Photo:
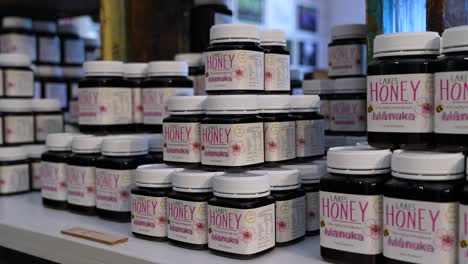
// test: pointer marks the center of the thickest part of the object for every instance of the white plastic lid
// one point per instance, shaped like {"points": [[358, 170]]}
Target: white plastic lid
{"points": [[12, 153], [234, 33], [35, 151], [125, 146], [231, 104], [44, 26], [281, 178], [135, 70], [349, 31], [59, 141], [15, 105], [87, 144], [68, 29], [193, 180], [73, 72], [103, 68], [155, 175], [350, 85], [272, 37], [192, 59], [317, 87], [241, 185], [305, 103], [46, 105], [49, 71], [17, 22], [309, 172], [184, 105], [454, 39], [167, 68], [296, 74], [155, 142], [407, 43], [427, 165], [274, 103], [15, 59], [363, 160]]}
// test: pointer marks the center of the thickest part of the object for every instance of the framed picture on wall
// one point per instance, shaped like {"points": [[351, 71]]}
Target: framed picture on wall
{"points": [[307, 18], [250, 10], [307, 53]]}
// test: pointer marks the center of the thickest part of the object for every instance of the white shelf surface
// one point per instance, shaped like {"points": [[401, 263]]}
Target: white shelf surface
{"points": [[26, 226]]}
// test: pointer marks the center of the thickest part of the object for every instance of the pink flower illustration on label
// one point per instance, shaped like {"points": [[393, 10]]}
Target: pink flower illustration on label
{"points": [[139, 108], [272, 145], [90, 189], [246, 234], [195, 145], [102, 109], [63, 185], [445, 239], [300, 141], [124, 195], [236, 148], [2, 182], [373, 229], [281, 225], [239, 72], [9, 131], [424, 107], [311, 215], [200, 227], [268, 75], [161, 220]]}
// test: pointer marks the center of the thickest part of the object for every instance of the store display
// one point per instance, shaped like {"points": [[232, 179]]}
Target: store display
{"points": [[47, 41], [17, 121], [277, 60], [324, 89], [34, 153], [136, 73], [71, 44], [181, 131], [48, 118], [196, 70], [17, 76], [155, 145], [17, 36], [14, 170], [400, 90], [234, 61], [53, 84], [72, 75]]}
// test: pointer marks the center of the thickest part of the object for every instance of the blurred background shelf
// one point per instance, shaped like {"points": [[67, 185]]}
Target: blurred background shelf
{"points": [[50, 9]]}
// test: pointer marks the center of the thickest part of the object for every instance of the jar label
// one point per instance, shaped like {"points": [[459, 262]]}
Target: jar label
{"points": [[155, 103], [451, 102], [19, 129], [149, 215], [18, 43], [81, 185], [36, 175], [57, 90], [105, 106], [199, 84], [54, 181], [326, 112], [49, 49], [113, 189], [463, 234], [279, 144], [187, 221], [137, 103], [351, 223], [420, 232], [309, 138], [14, 178], [400, 103], [290, 219], [181, 142], [47, 124], [241, 231], [312, 211], [234, 70], [232, 144], [277, 72], [18, 83], [345, 60], [74, 50], [348, 115]]}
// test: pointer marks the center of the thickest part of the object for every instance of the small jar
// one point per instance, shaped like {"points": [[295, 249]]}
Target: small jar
{"points": [[241, 216], [72, 75], [277, 61], [234, 61], [17, 36], [420, 207], [155, 144], [309, 127], [18, 121], [91, 47], [34, 153], [53, 84], [232, 133], [48, 118], [351, 204], [135, 73], [400, 90], [149, 199], [47, 42], [310, 174], [72, 46], [196, 70], [105, 99], [296, 82], [347, 53], [290, 204], [54, 161], [348, 113], [165, 79], [187, 208], [324, 89], [115, 175], [81, 174], [279, 129], [17, 76], [181, 131], [14, 171]]}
